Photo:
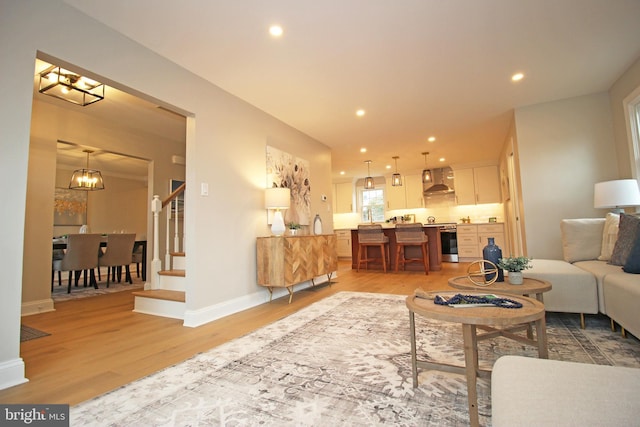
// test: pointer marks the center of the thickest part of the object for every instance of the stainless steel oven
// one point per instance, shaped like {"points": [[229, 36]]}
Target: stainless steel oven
{"points": [[449, 240]]}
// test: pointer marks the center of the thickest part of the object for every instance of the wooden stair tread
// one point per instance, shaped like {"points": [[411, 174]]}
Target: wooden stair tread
{"points": [[177, 254], [175, 273], [163, 294]]}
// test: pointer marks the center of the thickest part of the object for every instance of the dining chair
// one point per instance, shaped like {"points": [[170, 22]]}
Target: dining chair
{"points": [[136, 257], [411, 235], [372, 235], [118, 253], [81, 255]]}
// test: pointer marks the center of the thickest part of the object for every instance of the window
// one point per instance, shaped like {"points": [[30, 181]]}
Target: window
{"points": [[632, 103], [373, 205]]}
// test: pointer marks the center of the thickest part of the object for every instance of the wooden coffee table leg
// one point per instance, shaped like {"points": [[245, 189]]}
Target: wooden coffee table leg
{"points": [[541, 335], [414, 361], [471, 368]]}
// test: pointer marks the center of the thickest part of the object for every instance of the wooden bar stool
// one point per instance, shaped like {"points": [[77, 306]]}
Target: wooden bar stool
{"points": [[411, 235], [372, 235]]}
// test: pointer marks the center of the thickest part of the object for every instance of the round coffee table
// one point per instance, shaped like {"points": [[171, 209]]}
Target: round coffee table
{"points": [[529, 287], [488, 318]]}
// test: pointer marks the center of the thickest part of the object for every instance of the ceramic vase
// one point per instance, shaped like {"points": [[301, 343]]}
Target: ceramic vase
{"points": [[493, 253], [515, 277], [317, 225]]}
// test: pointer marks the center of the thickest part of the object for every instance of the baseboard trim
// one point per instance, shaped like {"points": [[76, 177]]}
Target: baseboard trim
{"points": [[12, 373], [37, 307], [195, 318]]}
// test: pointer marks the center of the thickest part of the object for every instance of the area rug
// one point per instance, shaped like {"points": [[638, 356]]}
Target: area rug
{"points": [[60, 294], [344, 360], [28, 333]]}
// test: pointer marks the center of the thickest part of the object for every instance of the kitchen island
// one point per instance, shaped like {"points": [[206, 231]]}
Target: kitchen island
{"points": [[435, 249]]}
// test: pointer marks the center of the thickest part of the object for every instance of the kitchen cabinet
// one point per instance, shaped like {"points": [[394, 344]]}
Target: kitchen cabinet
{"points": [[343, 197], [344, 243], [415, 197], [477, 185], [408, 196], [396, 196], [472, 238]]}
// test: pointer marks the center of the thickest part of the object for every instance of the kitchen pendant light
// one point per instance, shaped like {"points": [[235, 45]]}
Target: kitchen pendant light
{"points": [[396, 178], [86, 179], [426, 173], [368, 181]]}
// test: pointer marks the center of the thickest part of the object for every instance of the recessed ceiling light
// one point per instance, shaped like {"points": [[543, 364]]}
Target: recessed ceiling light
{"points": [[388, 166], [341, 172], [442, 159], [517, 77], [360, 113], [431, 138], [276, 30], [363, 150]]}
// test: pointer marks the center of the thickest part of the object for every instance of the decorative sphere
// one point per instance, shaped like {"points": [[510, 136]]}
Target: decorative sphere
{"points": [[478, 271]]}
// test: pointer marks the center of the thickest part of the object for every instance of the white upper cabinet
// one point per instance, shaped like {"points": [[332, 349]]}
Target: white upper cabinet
{"points": [[477, 185], [343, 197], [415, 197]]}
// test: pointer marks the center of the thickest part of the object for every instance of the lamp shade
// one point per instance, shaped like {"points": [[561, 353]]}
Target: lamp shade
{"points": [[616, 194], [277, 198]]}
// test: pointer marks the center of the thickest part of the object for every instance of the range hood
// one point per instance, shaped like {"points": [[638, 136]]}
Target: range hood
{"points": [[441, 182]]}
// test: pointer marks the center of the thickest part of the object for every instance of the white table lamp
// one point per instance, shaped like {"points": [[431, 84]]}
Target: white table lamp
{"points": [[278, 199], [616, 194]]}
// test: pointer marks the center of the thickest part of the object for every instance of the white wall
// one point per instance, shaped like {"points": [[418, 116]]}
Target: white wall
{"points": [[226, 140], [565, 147]]}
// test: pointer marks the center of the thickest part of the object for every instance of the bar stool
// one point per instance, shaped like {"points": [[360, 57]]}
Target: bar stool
{"points": [[372, 235], [411, 235]]}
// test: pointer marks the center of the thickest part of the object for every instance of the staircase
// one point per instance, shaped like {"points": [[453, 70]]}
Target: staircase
{"points": [[168, 300], [165, 295]]}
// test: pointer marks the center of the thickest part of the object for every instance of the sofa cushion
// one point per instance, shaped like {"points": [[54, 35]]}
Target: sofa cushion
{"points": [[621, 297], [628, 233], [609, 236], [600, 270], [573, 290], [581, 238], [632, 265], [526, 391]]}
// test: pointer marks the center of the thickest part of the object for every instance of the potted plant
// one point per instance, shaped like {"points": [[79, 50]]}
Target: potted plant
{"points": [[293, 228], [515, 265]]}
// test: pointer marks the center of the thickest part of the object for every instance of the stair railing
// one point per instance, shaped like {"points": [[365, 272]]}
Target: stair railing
{"points": [[176, 205]]}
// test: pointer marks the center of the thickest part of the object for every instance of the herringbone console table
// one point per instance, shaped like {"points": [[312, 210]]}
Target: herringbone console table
{"points": [[284, 261]]}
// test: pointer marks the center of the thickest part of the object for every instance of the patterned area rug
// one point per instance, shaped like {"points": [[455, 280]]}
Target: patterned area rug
{"points": [[27, 333], [342, 361], [60, 294]]}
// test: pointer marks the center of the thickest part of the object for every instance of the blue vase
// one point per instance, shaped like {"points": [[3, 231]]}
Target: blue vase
{"points": [[493, 253]]}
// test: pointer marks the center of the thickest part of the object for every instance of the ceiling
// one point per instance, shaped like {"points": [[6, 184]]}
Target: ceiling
{"points": [[418, 68]]}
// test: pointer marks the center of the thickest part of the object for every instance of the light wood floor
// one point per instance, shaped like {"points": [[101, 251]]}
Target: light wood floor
{"points": [[98, 344]]}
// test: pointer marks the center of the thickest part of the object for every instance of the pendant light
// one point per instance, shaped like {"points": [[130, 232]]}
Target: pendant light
{"points": [[368, 181], [396, 178], [426, 173], [86, 179]]}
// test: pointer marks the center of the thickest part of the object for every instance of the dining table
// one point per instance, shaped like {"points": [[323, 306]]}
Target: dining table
{"points": [[61, 243]]}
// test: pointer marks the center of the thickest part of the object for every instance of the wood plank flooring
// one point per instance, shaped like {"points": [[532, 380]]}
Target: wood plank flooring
{"points": [[98, 344]]}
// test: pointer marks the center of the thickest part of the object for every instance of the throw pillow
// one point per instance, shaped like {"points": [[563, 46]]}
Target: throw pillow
{"points": [[609, 236], [633, 261], [627, 235], [581, 238]]}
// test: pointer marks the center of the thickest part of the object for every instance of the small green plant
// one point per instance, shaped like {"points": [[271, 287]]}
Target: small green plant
{"points": [[513, 264], [293, 226]]}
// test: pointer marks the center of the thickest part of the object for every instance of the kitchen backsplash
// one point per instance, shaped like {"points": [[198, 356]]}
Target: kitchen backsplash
{"points": [[443, 212]]}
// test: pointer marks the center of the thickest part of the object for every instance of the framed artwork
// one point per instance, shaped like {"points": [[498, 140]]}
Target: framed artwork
{"points": [[69, 207], [286, 170]]}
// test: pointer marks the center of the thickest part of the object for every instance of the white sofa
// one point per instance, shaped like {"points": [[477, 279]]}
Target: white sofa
{"points": [[584, 282], [527, 391]]}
